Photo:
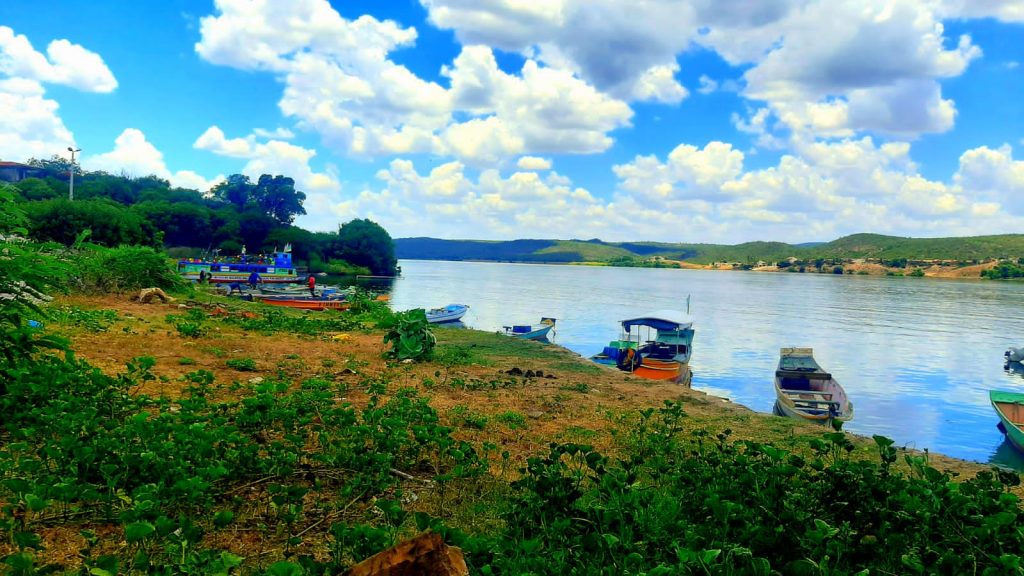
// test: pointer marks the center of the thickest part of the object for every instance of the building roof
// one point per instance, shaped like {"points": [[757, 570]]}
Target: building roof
{"points": [[6, 164]]}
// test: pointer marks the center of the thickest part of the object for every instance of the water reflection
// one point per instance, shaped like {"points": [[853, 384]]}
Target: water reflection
{"points": [[917, 357], [1014, 368]]}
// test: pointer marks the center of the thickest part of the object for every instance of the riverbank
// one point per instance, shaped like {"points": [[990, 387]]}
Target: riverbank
{"points": [[504, 400], [556, 393]]}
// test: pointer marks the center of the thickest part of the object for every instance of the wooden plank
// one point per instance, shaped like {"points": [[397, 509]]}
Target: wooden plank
{"points": [[807, 392]]}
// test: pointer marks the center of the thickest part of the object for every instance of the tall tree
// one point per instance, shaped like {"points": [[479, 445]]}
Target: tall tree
{"points": [[364, 243], [278, 198], [236, 190]]}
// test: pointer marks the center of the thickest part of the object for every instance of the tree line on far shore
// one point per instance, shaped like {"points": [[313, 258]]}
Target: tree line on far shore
{"points": [[236, 213]]}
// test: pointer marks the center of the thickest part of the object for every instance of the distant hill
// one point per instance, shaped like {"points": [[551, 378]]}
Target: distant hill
{"points": [[594, 250]]}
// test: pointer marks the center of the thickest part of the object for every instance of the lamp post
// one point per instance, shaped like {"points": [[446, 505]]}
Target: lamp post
{"points": [[71, 191]]}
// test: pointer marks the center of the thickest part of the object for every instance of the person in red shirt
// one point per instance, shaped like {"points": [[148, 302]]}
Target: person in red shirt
{"points": [[312, 285]]}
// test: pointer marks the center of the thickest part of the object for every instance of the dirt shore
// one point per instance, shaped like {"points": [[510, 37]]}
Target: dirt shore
{"points": [[558, 395]]}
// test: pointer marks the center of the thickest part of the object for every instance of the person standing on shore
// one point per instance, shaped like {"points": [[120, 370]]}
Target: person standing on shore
{"points": [[254, 279], [312, 285]]}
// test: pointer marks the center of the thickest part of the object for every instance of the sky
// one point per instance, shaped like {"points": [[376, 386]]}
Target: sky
{"points": [[718, 121]]}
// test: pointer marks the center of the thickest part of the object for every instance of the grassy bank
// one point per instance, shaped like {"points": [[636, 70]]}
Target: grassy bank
{"points": [[210, 436]]}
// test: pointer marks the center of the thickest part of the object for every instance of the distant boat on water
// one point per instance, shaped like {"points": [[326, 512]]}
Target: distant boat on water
{"points": [[531, 331], [804, 391], [1010, 408], [1014, 355]]}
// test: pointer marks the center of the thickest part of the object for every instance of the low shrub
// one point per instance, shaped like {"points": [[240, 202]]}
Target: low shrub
{"points": [[124, 269]]}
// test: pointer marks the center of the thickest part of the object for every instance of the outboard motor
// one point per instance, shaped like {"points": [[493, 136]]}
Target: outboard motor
{"points": [[1014, 355]]}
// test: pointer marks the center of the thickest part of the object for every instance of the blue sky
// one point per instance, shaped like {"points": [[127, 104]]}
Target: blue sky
{"points": [[698, 121]]}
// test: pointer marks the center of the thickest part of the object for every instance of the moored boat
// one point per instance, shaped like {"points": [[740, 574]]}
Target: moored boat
{"points": [[804, 391], [449, 313], [1010, 408], [658, 349], [307, 303], [531, 331], [276, 268]]}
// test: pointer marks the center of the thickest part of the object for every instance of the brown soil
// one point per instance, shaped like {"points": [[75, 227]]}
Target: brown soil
{"points": [[557, 405]]}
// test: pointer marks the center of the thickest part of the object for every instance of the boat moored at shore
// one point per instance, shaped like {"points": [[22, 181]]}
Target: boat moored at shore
{"points": [[445, 314], [804, 391], [656, 346], [277, 268], [1010, 408], [531, 331]]}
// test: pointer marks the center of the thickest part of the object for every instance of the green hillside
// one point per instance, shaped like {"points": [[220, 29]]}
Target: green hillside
{"points": [[847, 247], [588, 251], [890, 247]]}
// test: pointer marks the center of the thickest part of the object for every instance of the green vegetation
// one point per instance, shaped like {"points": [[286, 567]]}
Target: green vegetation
{"points": [[287, 476], [698, 503], [90, 320], [410, 337], [115, 211], [1003, 271], [892, 250], [242, 364]]}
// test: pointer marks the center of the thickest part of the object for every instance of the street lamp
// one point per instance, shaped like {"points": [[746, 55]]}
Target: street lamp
{"points": [[71, 191]]}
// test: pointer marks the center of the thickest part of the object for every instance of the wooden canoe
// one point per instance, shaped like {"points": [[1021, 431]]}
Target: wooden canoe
{"points": [[804, 391], [1010, 408]]}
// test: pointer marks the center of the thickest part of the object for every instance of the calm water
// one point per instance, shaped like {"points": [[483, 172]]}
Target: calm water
{"points": [[916, 356]]}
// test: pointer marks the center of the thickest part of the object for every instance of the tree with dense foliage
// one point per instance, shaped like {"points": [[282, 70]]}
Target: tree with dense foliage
{"points": [[278, 198], [364, 243], [183, 224], [236, 190], [38, 189], [109, 223]]}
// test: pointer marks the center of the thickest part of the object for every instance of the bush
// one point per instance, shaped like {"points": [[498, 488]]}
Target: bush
{"points": [[125, 269], [108, 223], [411, 337]]}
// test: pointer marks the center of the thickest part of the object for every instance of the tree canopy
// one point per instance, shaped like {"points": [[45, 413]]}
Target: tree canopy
{"points": [[148, 210], [364, 243]]}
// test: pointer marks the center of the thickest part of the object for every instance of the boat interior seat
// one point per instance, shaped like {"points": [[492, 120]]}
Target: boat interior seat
{"points": [[799, 384], [612, 352], [521, 329]]}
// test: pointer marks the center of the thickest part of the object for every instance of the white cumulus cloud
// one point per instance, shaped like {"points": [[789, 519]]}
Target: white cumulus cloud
{"points": [[136, 156]]}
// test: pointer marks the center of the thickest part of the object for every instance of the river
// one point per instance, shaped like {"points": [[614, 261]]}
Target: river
{"points": [[917, 356]]}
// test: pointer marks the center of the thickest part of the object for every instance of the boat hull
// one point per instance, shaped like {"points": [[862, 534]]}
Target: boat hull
{"points": [[806, 392], [823, 405], [666, 371], [228, 278], [450, 313], [1009, 406], [534, 332], [539, 334], [308, 304]]}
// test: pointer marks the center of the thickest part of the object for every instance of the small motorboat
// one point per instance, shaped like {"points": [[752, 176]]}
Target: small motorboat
{"points": [[658, 349], [804, 391], [1014, 355], [531, 331], [449, 313], [1010, 408]]}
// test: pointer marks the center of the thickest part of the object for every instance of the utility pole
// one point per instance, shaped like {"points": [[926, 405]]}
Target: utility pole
{"points": [[71, 191]]}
